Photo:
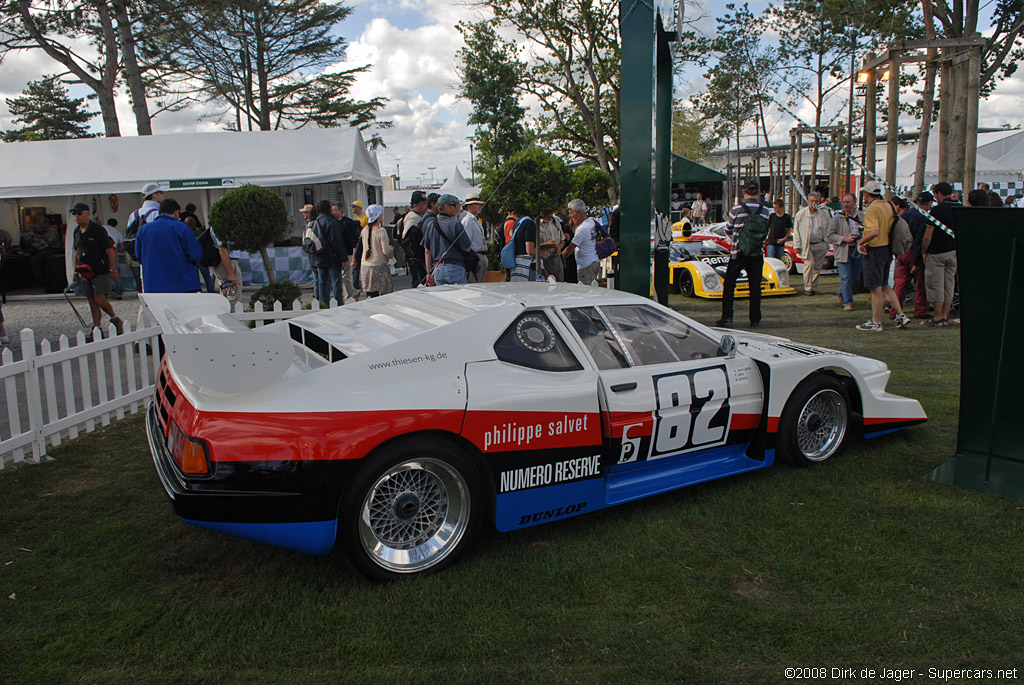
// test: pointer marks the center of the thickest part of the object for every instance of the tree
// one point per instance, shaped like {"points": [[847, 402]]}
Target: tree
{"points": [[590, 184], [572, 66], [688, 137], [249, 218], [491, 74], [59, 27], [526, 183], [264, 59], [48, 113]]}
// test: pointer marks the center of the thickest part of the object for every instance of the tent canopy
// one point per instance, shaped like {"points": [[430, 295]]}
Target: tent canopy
{"points": [[95, 166], [987, 168], [687, 171], [458, 186]]}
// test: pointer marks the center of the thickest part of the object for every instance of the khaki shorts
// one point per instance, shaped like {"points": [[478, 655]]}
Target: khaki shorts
{"points": [[939, 275], [96, 286]]}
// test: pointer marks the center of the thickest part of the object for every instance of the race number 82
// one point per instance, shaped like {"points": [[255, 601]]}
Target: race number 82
{"points": [[693, 410]]}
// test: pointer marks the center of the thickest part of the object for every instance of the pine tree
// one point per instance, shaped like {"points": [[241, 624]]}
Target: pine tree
{"points": [[48, 113]]}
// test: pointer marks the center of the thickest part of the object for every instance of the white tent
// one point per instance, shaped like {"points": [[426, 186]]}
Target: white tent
{"points": [[458, 186], [101, 166], [1008, 151], [988, 168]]}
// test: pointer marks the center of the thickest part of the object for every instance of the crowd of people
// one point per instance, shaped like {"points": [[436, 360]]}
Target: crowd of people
{"points": [[862, 239]]}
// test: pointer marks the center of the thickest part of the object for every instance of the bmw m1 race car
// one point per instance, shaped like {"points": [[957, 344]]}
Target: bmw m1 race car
{"points": [[398, 426], [698, 268]]}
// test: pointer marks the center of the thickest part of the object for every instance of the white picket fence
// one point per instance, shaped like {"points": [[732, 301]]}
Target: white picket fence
{"points": [[54, 394]]}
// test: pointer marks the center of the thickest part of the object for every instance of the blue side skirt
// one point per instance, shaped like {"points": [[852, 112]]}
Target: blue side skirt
{"points": [[309, 537]]}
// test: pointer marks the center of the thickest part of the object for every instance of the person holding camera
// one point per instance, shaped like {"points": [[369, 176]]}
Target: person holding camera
{"points": [[94, 255]]}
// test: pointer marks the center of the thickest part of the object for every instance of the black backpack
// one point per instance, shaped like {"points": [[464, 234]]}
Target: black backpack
{"points": [[753, 233], [131, 231], [211, 255], [412, 244]]}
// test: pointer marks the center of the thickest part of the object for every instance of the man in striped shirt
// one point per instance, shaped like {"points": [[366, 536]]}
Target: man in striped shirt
{"points": [[738, 261]]}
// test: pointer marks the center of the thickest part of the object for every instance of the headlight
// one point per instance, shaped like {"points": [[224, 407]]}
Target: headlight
{"points": [[783, 277], [712, 282]]}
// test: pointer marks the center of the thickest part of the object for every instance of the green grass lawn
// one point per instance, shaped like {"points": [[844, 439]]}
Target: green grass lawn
{"points": [[857, 563]]}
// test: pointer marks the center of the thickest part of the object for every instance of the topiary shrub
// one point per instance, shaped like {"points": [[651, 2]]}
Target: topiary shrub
{"points": [[249, 218], [284, 292]]}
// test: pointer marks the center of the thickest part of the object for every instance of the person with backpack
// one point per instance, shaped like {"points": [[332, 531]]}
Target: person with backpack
{"points": [[583, 244], [879, 217], [412, 238], [153, 195], [747, 228], [448, 244]]}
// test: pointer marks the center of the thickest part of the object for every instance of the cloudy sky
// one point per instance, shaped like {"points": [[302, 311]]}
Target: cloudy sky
{"points": [[411, 49]]}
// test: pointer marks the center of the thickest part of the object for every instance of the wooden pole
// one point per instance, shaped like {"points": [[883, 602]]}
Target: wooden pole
{"points": [[958, 118], [973, 94], [945, 114], [894, 118]]}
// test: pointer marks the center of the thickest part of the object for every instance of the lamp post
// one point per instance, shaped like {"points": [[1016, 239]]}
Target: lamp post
{"points": [[243, 36], [431, 174], [472, 165], [853, 77]]}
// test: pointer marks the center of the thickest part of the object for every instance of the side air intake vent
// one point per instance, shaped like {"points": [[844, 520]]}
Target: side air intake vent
{"points": [[314, 343]]}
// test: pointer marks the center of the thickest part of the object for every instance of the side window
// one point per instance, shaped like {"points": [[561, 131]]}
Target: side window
{"points": [[653, 337], [596, 337], [532, 341]]}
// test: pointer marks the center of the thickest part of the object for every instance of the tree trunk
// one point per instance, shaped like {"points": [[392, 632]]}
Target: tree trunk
{"points": [[132, 73], [261, 76], [271, 276], [928, 100]]}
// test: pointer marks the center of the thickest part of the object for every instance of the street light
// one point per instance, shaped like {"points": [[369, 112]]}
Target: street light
{"points": [[431, 174], [243, 36]]}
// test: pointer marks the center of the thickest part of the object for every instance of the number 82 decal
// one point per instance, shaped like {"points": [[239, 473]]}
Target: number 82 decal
{"points": [[693, 410]]}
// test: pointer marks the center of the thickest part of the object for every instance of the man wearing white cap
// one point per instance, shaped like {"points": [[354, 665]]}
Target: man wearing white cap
{"points": [[153, 195], [874, 245], [471, 208]]}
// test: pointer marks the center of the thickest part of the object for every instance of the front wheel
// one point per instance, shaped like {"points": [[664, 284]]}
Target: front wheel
{"points": [[683, 284], [787, 259], [814, 421], [413, 509]]}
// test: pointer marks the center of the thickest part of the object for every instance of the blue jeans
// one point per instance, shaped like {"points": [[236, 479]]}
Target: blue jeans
{"points": [[775, 250], [849, 272], [316, 282], [204, 271], [329, 277], [449, 274]]}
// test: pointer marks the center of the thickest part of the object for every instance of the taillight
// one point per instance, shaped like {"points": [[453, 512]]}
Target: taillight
{"points": [[191, 454]]}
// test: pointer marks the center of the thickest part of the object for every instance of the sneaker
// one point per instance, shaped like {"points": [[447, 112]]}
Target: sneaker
{"points": [[723, 322], [869, 325], [118, 325], [902, 320], [848, 308]]}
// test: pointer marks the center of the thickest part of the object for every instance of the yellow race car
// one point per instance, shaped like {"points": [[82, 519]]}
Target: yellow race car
{"points": [[697, 268]]}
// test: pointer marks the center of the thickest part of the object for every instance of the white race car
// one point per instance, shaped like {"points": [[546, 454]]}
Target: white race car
{"points": [[399, 425]]}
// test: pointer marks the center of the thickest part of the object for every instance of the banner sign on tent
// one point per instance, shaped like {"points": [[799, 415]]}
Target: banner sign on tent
{"points": [[202, 183]]}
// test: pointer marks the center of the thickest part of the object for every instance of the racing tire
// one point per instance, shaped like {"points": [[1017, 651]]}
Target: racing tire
{"points": [[787, 259], [684, 283], [814, 422], [413, 509]]}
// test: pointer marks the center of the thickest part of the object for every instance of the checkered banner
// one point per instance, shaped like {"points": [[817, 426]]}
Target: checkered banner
{"points": [[290, 263], [1007, 189]]}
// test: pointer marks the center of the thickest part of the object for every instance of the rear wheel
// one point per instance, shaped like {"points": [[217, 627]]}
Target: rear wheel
{"points": [[413, 509], [814, 421]]}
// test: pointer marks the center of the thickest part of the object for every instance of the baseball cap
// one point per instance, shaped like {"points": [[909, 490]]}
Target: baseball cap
{"points": [[151, 188], [872, 188], [924, 197], [447, 200], [306, 209], [80, 207], [357, 203]]}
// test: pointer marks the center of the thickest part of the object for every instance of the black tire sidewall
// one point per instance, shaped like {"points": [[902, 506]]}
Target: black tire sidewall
{"points": [[786, 448], [684, 289], [381, 461]]}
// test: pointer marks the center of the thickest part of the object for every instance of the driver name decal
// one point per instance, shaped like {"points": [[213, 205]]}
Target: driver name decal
{"points": [[513, 435]]}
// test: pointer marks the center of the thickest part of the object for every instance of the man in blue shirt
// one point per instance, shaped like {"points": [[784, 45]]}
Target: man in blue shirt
{"points": [[168, 252]]}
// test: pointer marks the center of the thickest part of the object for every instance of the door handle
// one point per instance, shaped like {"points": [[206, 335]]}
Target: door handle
{"points": [[622, 387]]}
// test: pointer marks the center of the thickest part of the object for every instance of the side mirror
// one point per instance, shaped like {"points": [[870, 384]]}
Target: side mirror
{"points": [[728, 346]]}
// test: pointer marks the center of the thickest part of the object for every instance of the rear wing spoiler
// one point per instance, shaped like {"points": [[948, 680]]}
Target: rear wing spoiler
{"points": [[204, 342]]}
